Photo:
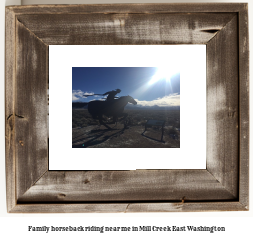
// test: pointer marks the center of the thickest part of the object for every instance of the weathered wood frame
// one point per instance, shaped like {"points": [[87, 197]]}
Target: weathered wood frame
{"points": [[222, 186]]}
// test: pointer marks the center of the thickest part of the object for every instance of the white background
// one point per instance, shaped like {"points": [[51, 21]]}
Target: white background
{"points": [[191, 60], [238, 224]]}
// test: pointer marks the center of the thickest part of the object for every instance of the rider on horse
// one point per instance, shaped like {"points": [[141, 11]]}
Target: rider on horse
{"points": [[112, 94]]}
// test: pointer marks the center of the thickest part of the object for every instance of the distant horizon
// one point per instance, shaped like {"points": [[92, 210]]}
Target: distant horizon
{"points": [[149, 86], [133, 107]]}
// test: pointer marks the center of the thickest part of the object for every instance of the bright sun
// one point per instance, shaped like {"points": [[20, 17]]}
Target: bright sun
{"points": [[163, 73]]}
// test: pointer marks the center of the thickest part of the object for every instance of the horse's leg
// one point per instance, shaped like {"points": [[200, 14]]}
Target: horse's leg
{"points": [[102, 123], [126, 121], [115, 120], [100, 120]]}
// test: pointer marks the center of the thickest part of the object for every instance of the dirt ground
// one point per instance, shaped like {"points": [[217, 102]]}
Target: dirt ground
{"points": [[98, 136]]}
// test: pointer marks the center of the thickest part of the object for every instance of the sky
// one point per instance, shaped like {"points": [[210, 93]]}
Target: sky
{"points": [[149, 86]]}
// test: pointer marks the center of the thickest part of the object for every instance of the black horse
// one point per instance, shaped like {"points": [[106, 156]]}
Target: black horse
{"points": [[112, 108], [109, 108]]}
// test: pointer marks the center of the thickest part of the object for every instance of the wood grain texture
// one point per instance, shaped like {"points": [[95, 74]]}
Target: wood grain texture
{"points": [[244, 106], [186, 207], [118, 29], [223, 186], [222, 107], [140, 185], [129, 207], [154, 8], [9, 109], [30, 108]]}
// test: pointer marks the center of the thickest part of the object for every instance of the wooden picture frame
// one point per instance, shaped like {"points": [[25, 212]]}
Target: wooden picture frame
{"points": [[222, 186]]}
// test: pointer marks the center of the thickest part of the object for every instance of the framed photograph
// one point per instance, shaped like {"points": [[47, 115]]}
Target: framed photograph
{"points": [[145, 108], [161, 97]]}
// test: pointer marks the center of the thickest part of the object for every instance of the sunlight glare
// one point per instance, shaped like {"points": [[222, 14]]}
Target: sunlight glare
{"points": [[163, 73]]}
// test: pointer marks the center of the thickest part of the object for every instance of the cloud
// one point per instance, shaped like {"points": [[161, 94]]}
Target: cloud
{"points": [[79, 94], [167, 101], [100, 99]]}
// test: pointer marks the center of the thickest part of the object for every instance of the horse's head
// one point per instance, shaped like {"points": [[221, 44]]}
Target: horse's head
{"points": [[131, 100]]}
